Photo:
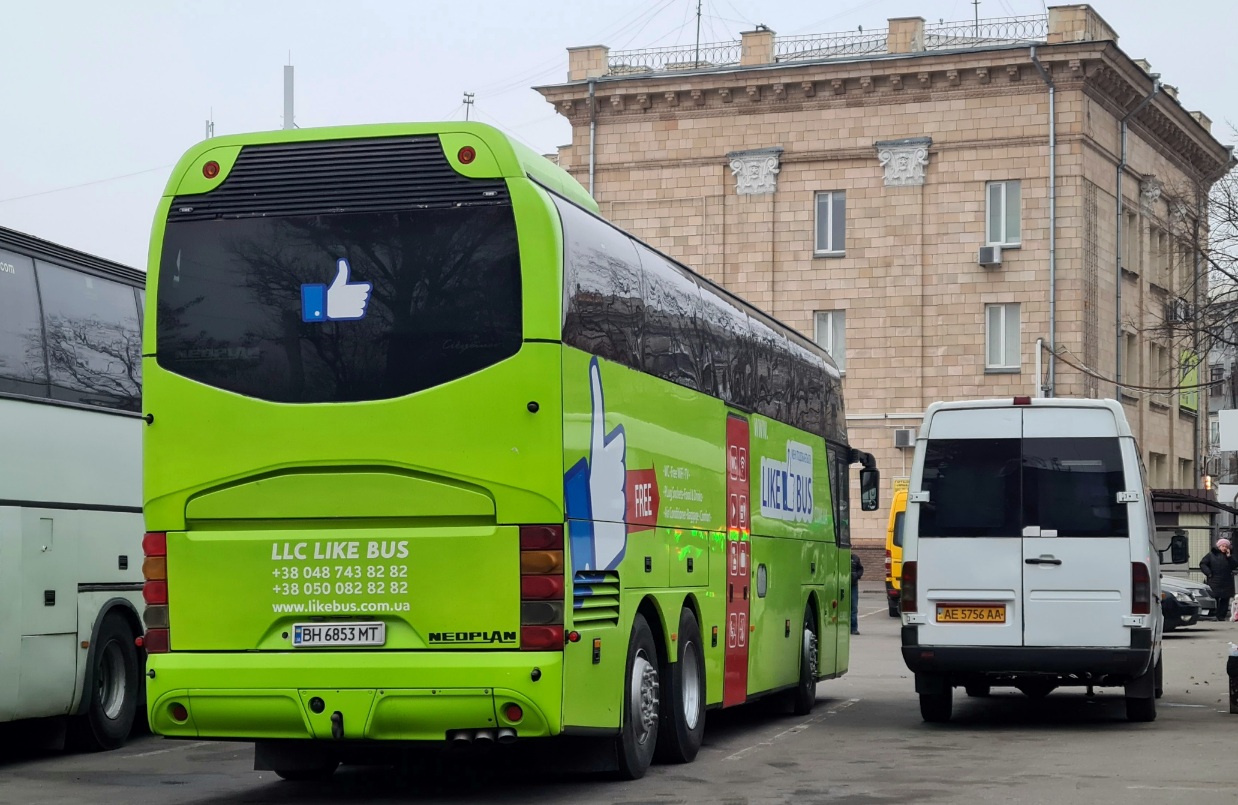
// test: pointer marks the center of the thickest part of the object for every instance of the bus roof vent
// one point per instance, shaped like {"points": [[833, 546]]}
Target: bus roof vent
{"points": [[339, 176]]}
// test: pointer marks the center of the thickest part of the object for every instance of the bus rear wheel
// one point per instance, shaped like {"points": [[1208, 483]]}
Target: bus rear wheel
{"points": [[111, 703], [682, 726], [638, 733], [804, 695]]}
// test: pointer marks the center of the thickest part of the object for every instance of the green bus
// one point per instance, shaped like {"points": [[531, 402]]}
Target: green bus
{"points": [[434, 453]]}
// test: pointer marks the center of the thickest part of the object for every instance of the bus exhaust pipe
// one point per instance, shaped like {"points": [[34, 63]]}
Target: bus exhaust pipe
{"points": [[459, 738], [484, 737], [507, 735]]}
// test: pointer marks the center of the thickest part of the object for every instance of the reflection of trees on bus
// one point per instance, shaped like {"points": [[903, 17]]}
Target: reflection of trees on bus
{"points": [[632, 305], [445, 300], [99, 360]]}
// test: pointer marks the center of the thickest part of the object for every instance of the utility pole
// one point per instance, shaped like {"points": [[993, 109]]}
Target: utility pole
{"points": [[697, 60], [976, 3], [468, 104], [288, 117]]}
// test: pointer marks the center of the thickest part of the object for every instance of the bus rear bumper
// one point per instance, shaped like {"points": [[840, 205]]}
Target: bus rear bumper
{"points": [[332, 696]]}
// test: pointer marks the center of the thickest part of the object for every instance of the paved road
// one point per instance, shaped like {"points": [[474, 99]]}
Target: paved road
{"points": [[865, 743]]}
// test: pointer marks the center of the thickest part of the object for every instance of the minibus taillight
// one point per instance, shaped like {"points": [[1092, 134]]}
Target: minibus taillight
{"points": [[889, 561], [155, 592], [907, 596], [1141, 589], [542, 586]]}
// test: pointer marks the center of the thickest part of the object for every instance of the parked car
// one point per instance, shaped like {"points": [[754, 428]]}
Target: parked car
{"points": [[1185, 602]]}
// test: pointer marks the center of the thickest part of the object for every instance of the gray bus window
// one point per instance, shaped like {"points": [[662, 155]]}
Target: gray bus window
{"points": [[94, 349], [23, 361]]}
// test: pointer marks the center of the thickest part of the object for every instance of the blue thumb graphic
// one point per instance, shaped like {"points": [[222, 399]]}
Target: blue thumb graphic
{"points": [[313, 303]]}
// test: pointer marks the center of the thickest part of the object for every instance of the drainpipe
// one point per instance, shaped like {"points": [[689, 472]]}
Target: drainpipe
{"points": [[1050, 385], [593, 128], [1156, 87]]}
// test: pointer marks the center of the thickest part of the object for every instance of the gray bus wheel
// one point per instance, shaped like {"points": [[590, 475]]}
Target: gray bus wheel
{"points": [[111, 703]]}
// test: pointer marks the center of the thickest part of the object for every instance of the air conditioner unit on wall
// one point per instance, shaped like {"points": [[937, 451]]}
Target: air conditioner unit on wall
{"points": [[904, 437], [990, 255]]}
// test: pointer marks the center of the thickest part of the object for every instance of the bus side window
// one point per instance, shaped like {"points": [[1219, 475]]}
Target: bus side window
{"points": [[602, 308], [23, 363]]}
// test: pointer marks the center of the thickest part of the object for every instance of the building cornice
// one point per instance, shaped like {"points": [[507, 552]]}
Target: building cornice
{"points": [[1099, 69]]}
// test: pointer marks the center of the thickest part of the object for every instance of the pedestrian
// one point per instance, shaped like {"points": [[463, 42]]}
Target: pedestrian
{"points": [[1218, 567], [857, 573]]}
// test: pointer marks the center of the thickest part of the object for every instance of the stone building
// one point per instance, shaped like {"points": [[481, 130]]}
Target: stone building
{"points": [[930, 202]]}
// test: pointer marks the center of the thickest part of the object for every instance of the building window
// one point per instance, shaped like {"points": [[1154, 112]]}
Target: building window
{"points": [[1130, 359], [831, 223], [1214, 432], [1156, 470], [831, 335], [1001, 337], [1160, 258], [1003, 228], [1130, 245], [1186, 473], [1158, 359]]}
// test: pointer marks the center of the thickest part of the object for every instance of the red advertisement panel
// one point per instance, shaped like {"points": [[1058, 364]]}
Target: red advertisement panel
{"points": [[738, 569]]}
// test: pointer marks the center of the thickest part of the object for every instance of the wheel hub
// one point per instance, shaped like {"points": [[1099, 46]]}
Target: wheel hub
{"points": [[644, 698]]}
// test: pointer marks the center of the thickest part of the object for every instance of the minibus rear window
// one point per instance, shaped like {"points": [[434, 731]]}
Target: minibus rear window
{"points": [[1071, 486], [1001, 487], [973, 487]]}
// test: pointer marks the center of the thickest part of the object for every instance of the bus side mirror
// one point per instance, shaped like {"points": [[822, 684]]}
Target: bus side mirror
{"points": [[870, 483]]}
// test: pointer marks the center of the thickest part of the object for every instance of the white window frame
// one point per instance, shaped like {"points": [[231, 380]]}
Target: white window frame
{"points": [[1003, 238], [836, 243], [830, 333], [1005, 349]]}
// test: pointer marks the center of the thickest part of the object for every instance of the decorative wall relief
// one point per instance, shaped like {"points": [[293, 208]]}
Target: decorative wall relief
{"points": [[755, 171], [904, 160]]}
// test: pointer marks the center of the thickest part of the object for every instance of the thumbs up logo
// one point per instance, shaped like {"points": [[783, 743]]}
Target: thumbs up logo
{"points": [[607, 472], [341, 301]]}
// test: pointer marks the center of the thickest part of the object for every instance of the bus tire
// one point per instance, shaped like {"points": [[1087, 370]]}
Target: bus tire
{"points": [[111, 704], [804, 696], [638, 731], [682, 725]]}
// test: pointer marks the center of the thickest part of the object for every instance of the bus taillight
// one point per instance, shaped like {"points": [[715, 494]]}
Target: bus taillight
{"points": [[541, 587], [907, 596], [155, 592]]}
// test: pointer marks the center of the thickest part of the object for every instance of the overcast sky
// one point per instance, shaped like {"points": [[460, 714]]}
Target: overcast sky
{"points": [[99, 100]]}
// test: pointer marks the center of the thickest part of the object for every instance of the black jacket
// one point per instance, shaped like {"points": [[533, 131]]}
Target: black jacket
{"points": [[1218, 570], [857, 569]]}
